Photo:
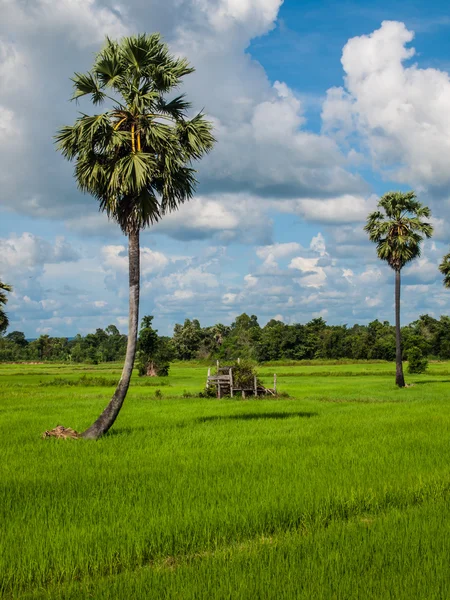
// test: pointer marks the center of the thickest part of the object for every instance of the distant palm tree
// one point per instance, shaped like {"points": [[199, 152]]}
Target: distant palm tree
{"points": [[444, 268], [398, 233], [134, 158], [3, 300]]}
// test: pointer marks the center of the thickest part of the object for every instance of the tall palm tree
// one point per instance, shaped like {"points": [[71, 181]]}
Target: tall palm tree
{"points": [[398, 230], [444, 268], [136, 157], [4, 287]]}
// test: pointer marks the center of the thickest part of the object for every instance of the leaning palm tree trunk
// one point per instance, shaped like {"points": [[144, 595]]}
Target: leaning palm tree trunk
{"points": [[399, 378], [109, 415]]}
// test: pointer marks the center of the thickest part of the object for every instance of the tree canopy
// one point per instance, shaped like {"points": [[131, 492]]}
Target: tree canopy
{"points": [[399, 228], [135, 157]]}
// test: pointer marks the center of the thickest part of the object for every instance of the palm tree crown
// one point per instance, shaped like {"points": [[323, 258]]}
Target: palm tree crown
{"points": [[3, 300], [136, 157], [400, 229], [444, 268]]}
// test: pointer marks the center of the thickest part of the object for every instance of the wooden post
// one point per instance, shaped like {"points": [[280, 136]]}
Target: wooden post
{"points": [[217, 364], [218, 390], [239, 361], [207, 379], [275, 383], [243, 394], [256, 387], [231, 382]]}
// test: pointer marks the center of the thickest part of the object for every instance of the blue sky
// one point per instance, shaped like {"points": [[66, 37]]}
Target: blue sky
{"points": [[318, 108]]}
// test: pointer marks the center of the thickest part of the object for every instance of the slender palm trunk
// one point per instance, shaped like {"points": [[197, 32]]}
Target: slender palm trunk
{"points": [[399, 379], [109, 415]]}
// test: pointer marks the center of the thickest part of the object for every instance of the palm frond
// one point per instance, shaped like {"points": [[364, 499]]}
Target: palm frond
{"points": [[4, 322], [87, 84], [444, 268]]}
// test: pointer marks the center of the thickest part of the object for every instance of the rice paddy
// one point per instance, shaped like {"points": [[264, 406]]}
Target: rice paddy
{"points": [[340, 490]]}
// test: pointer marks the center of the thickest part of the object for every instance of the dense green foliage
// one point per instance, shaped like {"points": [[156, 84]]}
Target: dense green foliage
{"points": [[105, 345], [154, 352], [276, 340], [444, 268], [398, 229], [135, 158], [3, 300], [417, 363], [339, 491], [244, 339]]}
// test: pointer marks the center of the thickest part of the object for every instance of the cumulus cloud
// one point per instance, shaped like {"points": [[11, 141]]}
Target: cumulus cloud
{"points": [[225, 217], [268, 152], [312, 274], [115, 258], [85, 22], [347, 208], [399, 109], [272, 253], [28, 251]]}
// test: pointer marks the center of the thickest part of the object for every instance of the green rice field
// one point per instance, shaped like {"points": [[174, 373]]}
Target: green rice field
{"points": [[339, 491]]}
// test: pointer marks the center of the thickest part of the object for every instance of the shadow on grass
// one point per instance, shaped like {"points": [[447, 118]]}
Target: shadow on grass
{"points": [[432, 381], [257, 416], [125, 431]]}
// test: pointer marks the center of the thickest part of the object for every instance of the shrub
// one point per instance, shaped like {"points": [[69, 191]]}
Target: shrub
{"points": [[158, 394], [244, 373], [208, 392], [417, 362]]}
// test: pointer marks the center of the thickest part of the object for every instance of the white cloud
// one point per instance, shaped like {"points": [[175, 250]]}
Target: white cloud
{"points": [[373, 301], [400, 111], [276, 251], [183, 294], [318, 244], [100, 303], [314, 275], [272, 253], [28, 251], [115, 258], [256, 16], [341, 209], [229, 298], [85, 22], [251, 281]]}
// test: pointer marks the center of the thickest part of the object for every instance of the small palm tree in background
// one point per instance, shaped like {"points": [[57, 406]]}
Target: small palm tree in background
{"points": [[136, 157], [3, 300], [398, 230], [444, 268]]}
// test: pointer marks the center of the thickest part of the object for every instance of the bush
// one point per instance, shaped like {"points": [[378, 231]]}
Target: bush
{"points": [[417, 363], [208, 392], [152, 368], [244, 373]]}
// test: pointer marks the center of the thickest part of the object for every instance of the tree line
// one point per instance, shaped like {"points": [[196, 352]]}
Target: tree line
{"points": [[105, 345], [244, 338]]}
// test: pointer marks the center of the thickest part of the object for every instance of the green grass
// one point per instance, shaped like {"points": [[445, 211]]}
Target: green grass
{"points": [[341, 491]]}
